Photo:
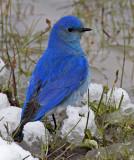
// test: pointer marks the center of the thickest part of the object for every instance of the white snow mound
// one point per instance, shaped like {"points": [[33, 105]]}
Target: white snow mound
{"points": [[10, 117], [95, 91], [11, 151], [116, 95], [75, 115], [35, 132]]}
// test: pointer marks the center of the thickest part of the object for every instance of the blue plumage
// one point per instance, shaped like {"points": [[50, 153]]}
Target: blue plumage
{"points": [[61, 71]]}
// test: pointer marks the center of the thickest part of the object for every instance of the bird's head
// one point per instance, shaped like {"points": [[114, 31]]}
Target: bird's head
{"points": [[68, 29]]}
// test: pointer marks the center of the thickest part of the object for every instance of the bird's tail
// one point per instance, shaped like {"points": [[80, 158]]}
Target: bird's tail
{"points": [[17, 134]]}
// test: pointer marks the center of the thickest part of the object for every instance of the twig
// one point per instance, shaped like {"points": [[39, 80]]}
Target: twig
{"points": [[73, 128], [13, 76], [41, 34], [124, 59], [122, 96], [100, 102], [56, 150], [102, 23], [72, 155], [87, 113], [26, 157], [58, 157], [1, 118], [2, 68]]}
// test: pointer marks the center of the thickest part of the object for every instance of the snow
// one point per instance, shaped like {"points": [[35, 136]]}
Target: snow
{"points": [[128, 109], [95, 91], [115, 97], [12, 151], [35, 132], [75, 115], [72, 127], [10, 117], [4, 101]]}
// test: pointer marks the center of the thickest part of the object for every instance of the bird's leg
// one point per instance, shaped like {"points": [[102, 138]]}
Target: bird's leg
{"points": [[17, 134], [54, 119]]}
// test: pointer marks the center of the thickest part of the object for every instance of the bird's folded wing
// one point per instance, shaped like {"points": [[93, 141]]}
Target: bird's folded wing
{"points": [[63, 79]]}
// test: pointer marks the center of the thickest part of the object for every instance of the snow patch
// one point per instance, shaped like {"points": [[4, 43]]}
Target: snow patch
{"points": [[35, 132], [76, 123], [10, 117], [95, 91], [116, 95], [12, 151], [128, 109]]}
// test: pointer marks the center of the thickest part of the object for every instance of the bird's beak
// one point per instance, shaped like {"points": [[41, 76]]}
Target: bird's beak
{"points": [[79, 29], [84, 29]]}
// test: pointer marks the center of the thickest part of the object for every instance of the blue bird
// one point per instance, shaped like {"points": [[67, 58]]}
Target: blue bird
{"points": [[59, 76]]}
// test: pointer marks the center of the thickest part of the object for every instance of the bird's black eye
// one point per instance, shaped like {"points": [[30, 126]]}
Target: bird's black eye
{"points": [[70, 29]]}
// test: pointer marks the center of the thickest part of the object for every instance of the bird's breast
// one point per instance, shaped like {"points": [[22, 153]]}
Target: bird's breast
{"points": [[76, 97]]}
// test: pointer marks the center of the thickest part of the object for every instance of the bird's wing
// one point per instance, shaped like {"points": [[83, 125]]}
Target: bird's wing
{"points": [[37, 80], [63, 79]]}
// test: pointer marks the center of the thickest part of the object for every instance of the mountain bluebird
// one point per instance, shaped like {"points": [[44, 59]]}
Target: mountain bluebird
{"points": [[60, 75]]}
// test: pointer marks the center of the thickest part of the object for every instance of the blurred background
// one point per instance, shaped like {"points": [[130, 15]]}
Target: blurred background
{"points": [[25, 27]]}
